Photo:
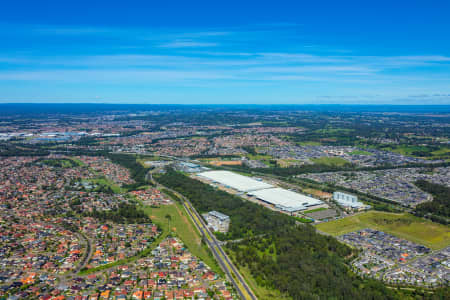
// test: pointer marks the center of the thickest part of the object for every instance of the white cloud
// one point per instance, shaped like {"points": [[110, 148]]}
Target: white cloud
{"points": [[244, 57], [330, 69], [113, 76], [187, 44]]}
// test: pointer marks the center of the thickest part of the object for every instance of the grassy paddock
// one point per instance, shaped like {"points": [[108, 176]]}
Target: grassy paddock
{"points": [[259, 157], [79, 162], [441, 151], [429, 153], [310, 143], [407, 226], [105, 182], [330, 161], [314, 210], [303, 220]]}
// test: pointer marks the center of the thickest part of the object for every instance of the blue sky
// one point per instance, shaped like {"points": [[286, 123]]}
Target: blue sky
{"points": [[257, 52]]}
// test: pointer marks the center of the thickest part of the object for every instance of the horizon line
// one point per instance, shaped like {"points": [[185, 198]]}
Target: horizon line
{"points": [[223, 104]]}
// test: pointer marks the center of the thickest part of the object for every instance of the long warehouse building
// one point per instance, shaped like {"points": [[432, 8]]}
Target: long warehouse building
{"points": [[286, 200], [280, 198], [235, 181]]}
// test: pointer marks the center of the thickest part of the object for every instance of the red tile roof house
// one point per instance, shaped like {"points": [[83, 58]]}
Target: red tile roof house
{"points": [[147, 294], [138, 295]]}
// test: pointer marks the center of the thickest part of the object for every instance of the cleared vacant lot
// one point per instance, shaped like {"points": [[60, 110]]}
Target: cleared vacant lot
{"points": [[418, 230]]}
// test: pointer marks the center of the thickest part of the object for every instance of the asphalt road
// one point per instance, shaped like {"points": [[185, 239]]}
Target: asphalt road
{"points": [[88, 254], [222, 258]]}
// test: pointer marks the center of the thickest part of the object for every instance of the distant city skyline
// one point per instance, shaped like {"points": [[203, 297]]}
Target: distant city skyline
{"points": [[256, 52]]}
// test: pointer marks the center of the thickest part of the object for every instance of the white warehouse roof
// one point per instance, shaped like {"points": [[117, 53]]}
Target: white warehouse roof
{"points": [[285, 199], [235, 181]]}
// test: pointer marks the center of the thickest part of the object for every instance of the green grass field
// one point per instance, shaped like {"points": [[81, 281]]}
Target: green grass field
{"points": [[330, 161], [105, 182], [284, 163], [310, 143], [76, 160], [61, 162], [407, 150], [331, 131], [407, 226], [419, 151], [314, 210], [182, 226], [442, 151], [259, 157], [303, 220], [410, 149]]}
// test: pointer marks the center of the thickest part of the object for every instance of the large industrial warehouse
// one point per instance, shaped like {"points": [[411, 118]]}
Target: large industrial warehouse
{"points": [[235, 181], [280, 198], [285, 200]]}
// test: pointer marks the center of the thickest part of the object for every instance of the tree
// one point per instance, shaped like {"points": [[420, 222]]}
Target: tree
{"points": [[169, 218]]}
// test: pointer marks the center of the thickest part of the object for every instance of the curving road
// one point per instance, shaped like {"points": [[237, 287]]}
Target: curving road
{"points": [[87, 256]]}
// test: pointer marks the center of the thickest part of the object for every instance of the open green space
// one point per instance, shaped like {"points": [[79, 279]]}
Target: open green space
{"points": [[265, 159], [330, 131], [303, 220], [105, 183], [407, 150], [259, 156], [407, 226], [330, 161], [76, 160], [428, 152], [181, 226], [60, 162], [285, 163], [314, 210], [441, 151], [309, 143]]}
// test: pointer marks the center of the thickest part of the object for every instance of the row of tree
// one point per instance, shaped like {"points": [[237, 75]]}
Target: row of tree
{"points": [[124, 213]]}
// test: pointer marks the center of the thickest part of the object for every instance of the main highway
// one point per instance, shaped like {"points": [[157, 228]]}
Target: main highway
{"points": [[227, 265], [222, 258]]}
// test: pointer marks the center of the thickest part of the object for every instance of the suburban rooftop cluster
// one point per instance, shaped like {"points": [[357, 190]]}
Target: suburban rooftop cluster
{"points": [[396, 260]]}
